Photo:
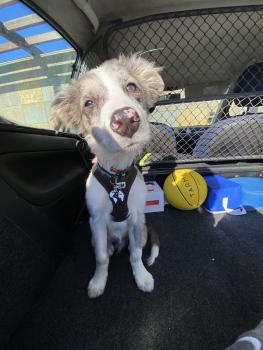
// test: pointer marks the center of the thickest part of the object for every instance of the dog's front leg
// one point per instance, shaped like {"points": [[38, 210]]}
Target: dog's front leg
{"points": [[143, 278], [99, 240]]}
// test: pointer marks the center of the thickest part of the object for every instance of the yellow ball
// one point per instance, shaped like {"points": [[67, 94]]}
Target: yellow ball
{"points": [[185, 189]]}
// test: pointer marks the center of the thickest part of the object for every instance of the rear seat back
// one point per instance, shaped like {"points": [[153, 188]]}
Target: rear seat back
{"points": [[238, 136]]}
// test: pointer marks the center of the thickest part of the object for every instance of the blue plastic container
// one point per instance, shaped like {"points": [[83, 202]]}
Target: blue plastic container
{"points": [[221, 190], [252, 192]]}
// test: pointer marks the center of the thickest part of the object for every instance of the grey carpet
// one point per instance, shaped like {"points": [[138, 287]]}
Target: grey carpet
{"points": [[24, 273], [208, 290]]}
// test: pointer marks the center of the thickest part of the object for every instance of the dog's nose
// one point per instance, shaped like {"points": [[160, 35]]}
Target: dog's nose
{"points": [[125, 121]]}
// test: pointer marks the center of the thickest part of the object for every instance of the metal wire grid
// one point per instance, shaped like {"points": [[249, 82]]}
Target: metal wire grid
{"points": [[238, 134], [213, 59], [92, 60], [196, 47]]}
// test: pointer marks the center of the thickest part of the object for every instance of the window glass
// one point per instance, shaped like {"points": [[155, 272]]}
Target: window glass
{"points": [[184, 114], [235, 110], [35, 62]]}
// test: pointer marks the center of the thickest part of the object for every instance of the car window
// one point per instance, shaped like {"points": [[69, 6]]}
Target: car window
{"points": [[35, 62], [235, 111], [183, 113]]}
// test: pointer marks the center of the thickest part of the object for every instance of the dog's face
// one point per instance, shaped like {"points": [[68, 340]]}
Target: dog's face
{"points": [[109, 105]]}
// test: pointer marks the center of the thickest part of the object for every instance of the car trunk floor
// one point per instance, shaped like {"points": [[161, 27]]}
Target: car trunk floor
{"points": [[208, 290]]}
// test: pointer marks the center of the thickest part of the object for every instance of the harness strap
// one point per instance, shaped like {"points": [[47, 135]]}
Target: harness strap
{"points": [[118, 186]]}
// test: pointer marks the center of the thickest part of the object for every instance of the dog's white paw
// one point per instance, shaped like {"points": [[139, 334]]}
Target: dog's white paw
{"points": [[145, 281], [150, 260], [96, 287], [154, 254]]}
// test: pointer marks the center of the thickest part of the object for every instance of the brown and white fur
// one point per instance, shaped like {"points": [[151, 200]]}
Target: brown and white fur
{"points": [[88, 105]]}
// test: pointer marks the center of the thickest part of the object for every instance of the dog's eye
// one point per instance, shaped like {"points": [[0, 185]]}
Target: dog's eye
{"points": [[131, 87], [89, 103]]}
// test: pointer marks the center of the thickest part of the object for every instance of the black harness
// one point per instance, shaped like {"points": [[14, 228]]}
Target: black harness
{"points": [[118, 185]]}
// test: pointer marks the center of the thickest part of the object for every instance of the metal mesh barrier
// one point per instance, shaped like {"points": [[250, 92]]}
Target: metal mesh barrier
{"points": [[92, 60], [213, 70]]}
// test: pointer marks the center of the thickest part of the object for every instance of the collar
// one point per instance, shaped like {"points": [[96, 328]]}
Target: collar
{"points": [[115, 172]]}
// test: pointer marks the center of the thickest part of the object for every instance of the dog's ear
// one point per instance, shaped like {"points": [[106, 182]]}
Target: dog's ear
{"points": [[147, 74], [65, 108]]}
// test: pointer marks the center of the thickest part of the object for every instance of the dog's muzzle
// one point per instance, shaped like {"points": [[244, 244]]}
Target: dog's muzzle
{"points": [[125, 121]]}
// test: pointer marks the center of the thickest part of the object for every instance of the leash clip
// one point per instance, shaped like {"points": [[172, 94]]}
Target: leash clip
{"points": [[118, 185]]}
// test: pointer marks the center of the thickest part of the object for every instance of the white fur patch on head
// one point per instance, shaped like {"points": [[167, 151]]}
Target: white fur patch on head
{"points": [[108, 80], [116, 97]]}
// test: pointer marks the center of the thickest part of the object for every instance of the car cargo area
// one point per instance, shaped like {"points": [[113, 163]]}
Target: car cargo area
{"points": [[208, 290], [208, 278]]}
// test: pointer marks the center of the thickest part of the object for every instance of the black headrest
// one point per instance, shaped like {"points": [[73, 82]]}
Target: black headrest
{"points": [[251, 80]]}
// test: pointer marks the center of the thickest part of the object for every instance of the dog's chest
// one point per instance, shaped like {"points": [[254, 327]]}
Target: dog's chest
{"points": [[118, 186], [100, 207], [117, 230]]}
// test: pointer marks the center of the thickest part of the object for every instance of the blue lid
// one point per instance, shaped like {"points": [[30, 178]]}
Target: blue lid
{"points": [[217, 181], [252, 191]]}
